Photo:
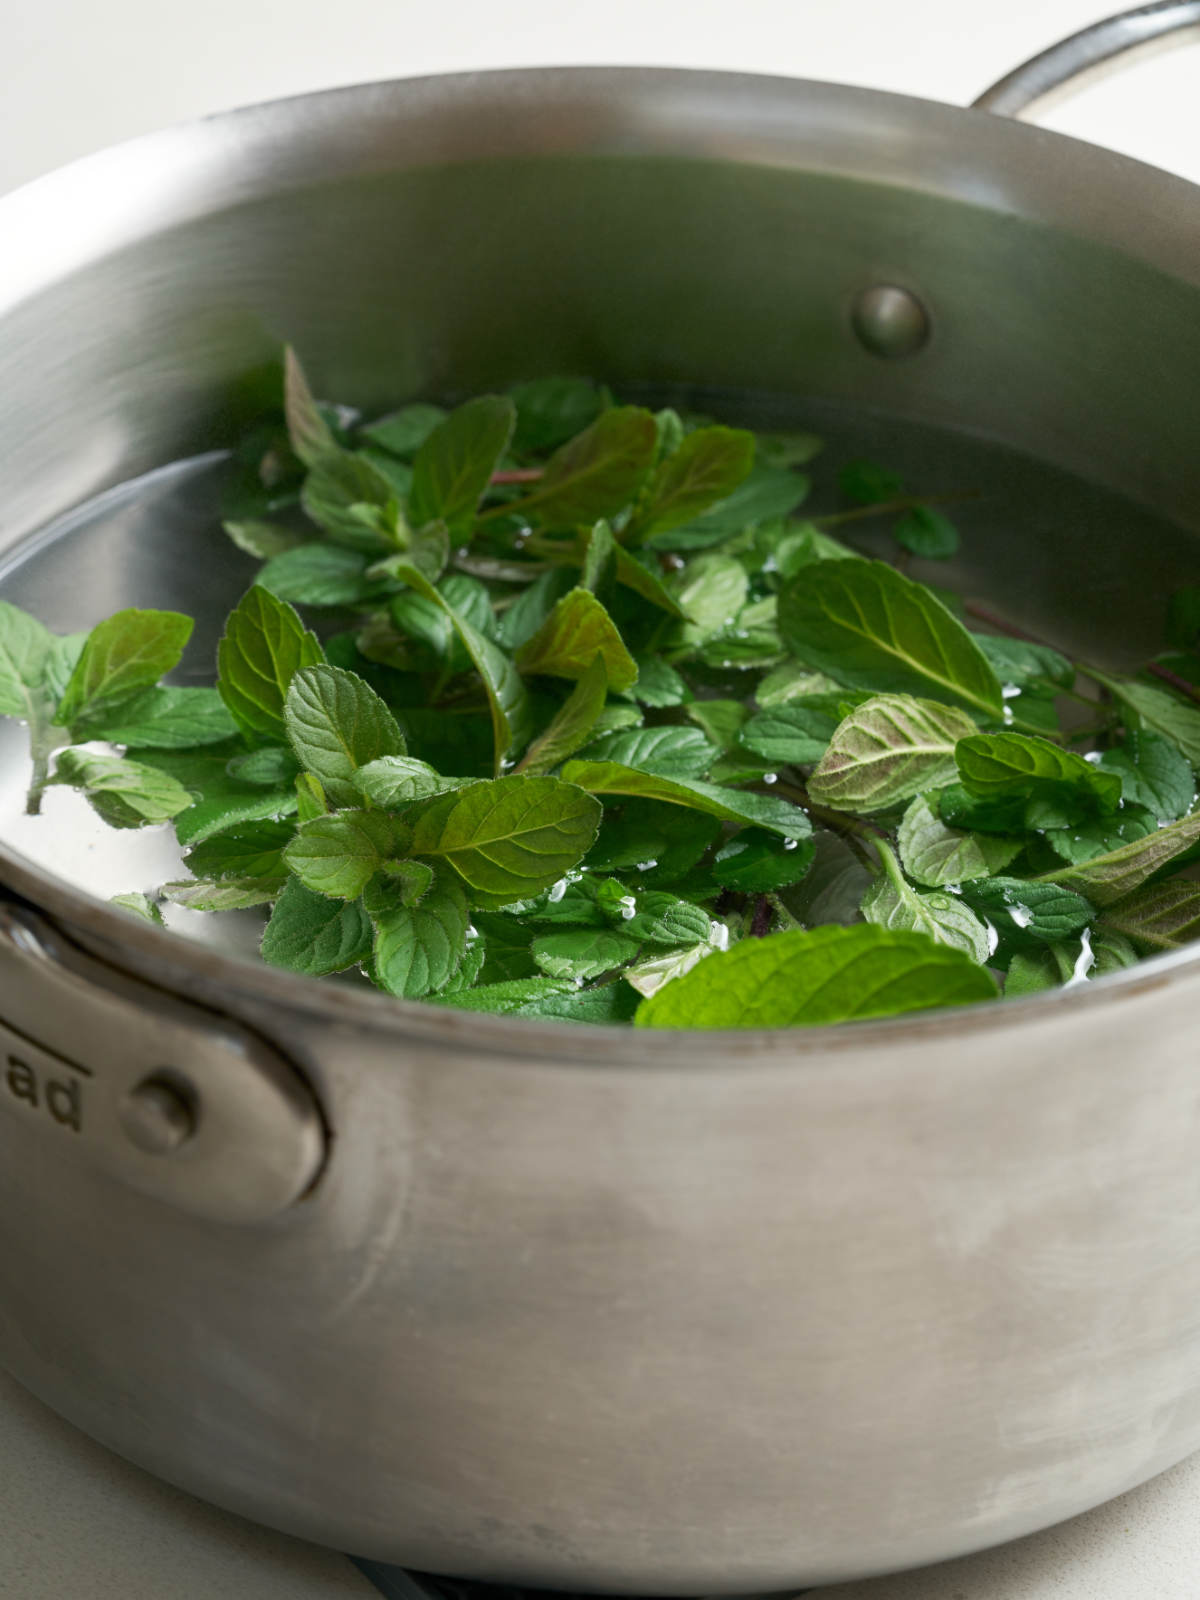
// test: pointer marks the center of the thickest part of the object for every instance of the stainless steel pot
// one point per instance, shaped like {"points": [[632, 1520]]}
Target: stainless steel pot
{"points": [[561, 1306]]}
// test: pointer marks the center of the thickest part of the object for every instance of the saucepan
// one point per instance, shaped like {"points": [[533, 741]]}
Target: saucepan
{"points": [[538, 1303]]}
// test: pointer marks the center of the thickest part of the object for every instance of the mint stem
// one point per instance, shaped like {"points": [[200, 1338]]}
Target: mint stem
{"points": [[37, 784], [1176, 682]]}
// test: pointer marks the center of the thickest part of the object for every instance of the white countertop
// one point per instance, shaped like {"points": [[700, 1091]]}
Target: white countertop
{"points": [[77, 74]]}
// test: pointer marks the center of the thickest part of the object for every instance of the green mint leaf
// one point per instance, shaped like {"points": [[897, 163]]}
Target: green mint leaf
{"points": [[354, 502], [721, 720], [507, 941], [394, 782], [660, 842], [124, 793], [790, 449], [599, 559], [403, 432], [712, 593], [764, 811], [870, 627], [998, 765], [927, 533], [648, 977], [658, 684], [1153, 773], [655, 917], [1111, 877], [635, 575], [310, 797], [572, 724], [1161, 916], [796, 732], [221, 894], [418, 948], [707, 467], [792, 681], [166, 719], [934, 854], [1008, 814], [552, 410], [336, 723], [1160, 712], [411, 880], [1098, 836], [310, 435], [272, 767], [452, 469], [1029, 910], [208, 818], [507, 998], [890, 902], [508, 699], [575, 902], [25, 646], [1026, 665], [511, 837], [756, 862], [1031, 972], [311, 934], [432, 622], [125, 653], [249, 850], [583, 952], [577, 631], [595, 474], [321, 574], [139, 905], [606, 1003], [262, 540], [264, 645], [522, 619], [867, 484], [887, 750], [338, 855], [804, 979], [763, 495], [670, 752]]}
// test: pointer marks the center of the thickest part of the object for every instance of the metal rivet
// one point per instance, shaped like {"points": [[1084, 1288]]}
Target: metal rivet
{"points": [[158, 1116], [890, 321]]}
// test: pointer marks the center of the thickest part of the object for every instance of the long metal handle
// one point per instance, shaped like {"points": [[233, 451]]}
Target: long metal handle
{"points": [[1018, 91]]}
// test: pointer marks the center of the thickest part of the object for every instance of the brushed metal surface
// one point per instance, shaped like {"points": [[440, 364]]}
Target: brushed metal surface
{"points": [[711, 1314]]}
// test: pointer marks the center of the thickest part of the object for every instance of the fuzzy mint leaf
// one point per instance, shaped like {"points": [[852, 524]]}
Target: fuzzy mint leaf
{"points": [[577, 631], [208, 818], [668, 752], [264, 645], [868, 626], [804, 979], [1098, 836], [887, 750], [509, 838], [418, 948], [663, 919], [127, 652], [890, 902], [584, 952], [453, 467], [707, 467], [995, 766], [1029, 910], [395, 782], [311, 934], [572, 724], [271, 767], [250, 850], [339, 854], [336, 723], [1153, 773], [1111, 877], [1160, 916], [731, 805], [594, 475], [167, 719], [508, 699], [138, 905], [221, 894], [124, 793], [505, 998], [935, 854]]}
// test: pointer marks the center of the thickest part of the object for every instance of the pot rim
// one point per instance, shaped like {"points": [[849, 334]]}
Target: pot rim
{"points": [[158, 180]]}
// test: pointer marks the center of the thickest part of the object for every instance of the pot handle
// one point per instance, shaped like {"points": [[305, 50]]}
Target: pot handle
{"points": [[100, 1068], [1020, 90]]}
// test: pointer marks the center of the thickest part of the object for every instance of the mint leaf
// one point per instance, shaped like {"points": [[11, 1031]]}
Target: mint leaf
{"points": [[654, 917], [707, 467], [1159, 711], [757, 862], [868, 626], [221, 894], [635, 575], [1110, 877], [669, 752], [999, 765], [124, 793], [577, 631], [338, 855], [868, 484], [249, 850], [605, 1003], [648, 977], [511, 837], [354, 502], [552, 410], [208, 818], [583, 952], [336, 724], [128, 651], [599, 559], [24, 648], [609, 777], [1026, 910], [403, 432], [765, 493], [311, 934], [310, 435], [262, 540], [1026, 665], [166, 719], [508, 998], [1161, 916], [394, 782], [594, 475], [712, 593], [890, 902], [454, 465], [927, 533], [793, 734], [1098, 836], [271, 767], [321, 574], [658, 684], [264, 645], [804, 979], [887, 750], [139, 905], [934, 854], [572, 723], [1153, 773], [418, 948]]}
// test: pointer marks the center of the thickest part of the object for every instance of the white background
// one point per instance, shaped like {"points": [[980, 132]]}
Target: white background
{"points": [[78, 74]]}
